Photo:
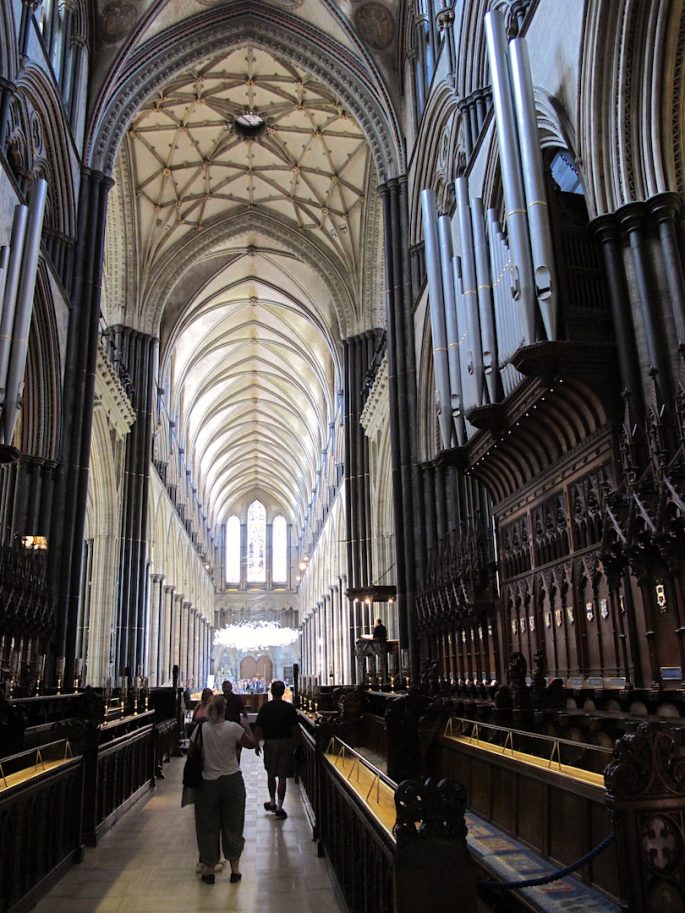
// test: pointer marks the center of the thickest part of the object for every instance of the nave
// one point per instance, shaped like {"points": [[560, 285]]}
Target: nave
{"points": [[146, 862]]}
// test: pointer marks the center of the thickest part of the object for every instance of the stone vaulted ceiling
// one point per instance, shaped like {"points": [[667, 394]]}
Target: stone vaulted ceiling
{"points": [[250, 202], [248, 129]]}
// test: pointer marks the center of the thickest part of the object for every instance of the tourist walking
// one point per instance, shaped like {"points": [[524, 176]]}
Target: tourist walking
{"points": [[278, 726], [220, 801]]}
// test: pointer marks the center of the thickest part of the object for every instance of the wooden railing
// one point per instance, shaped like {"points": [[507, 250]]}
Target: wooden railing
{"points": [[360, 849], [125, 765], [40, 824], [418, 861], [48, 811]]}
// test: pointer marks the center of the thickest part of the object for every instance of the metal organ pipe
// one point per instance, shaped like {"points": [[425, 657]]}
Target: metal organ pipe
{"points": [[453, 358], [467, 381], [534, 183], [437, 313], [508, 330], [510, 161], [24, 309], [9, 298], [487, 316], [4, 263], [468, 270]]}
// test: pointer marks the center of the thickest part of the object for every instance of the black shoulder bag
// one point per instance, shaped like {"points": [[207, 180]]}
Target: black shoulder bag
{"points": [[192, 772]]}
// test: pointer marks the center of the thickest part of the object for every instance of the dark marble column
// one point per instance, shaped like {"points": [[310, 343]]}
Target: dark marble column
{"points": [[665, 210], [71, 484], [606, 231], [633, 223], [138, 352], [407, 504]]}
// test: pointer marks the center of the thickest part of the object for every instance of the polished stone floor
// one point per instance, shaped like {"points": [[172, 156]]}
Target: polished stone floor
{"points": [[146, 862]]}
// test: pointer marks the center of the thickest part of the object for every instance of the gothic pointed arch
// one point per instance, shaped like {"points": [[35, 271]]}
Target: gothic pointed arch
{"points": [[39, 147], [353, 77], [632, 93], [42, 392]]}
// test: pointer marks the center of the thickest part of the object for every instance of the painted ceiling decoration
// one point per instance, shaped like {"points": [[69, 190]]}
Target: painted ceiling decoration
{"points": [[245, 189]]}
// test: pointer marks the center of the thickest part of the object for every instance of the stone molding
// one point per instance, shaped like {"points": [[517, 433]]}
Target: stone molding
{"points": [[111, 397], [375, 412]]}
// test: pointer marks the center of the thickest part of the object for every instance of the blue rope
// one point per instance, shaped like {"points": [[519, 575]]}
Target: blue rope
{"points": [[554, 876]]}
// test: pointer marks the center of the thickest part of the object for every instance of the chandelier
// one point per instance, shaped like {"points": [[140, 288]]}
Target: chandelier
{"points": [[255, 635]]}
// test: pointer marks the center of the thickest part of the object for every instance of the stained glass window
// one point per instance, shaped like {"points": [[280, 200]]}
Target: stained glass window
{"points": [[233, 550], [280, 550], [256, 543]]}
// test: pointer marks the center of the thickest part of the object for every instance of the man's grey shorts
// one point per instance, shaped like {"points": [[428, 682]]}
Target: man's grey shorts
{"points": [[278, 757]]}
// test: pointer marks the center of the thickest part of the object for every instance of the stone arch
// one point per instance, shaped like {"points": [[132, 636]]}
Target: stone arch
{"points": [[472, 70], [182, 257], [427, 412], [42, 392], [8, 47], [38, 127], [436, 164], [181, 46], [632, 92]]}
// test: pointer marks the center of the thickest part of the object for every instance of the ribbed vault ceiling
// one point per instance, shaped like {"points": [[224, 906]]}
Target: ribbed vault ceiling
{"points": [[192, 159], [252, 350]]}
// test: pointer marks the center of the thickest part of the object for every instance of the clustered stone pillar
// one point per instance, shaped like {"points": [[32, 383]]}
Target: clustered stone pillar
{"points": [[358, 354], [68, 510], [167, 639], [156, 628], [138, 352], [407, 505]]}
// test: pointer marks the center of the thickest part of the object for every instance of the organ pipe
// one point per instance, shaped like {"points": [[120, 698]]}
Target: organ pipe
{"points": [[24, 309], [508, 329], [9, 298], [4, 263], [534, 184], [487, 316], [437, 313], [468, 270], [466, 361], [510, 160], [453, 357]]}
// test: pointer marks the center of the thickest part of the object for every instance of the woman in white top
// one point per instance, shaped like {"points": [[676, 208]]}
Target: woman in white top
{"points": [[220, 801]]}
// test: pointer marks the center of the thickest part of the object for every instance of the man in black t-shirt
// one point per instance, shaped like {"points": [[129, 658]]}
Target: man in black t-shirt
{"points": [[235, 709], [277, 725]]}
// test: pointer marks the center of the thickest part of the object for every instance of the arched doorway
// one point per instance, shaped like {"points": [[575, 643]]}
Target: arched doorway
{"points": [[262, 667]]}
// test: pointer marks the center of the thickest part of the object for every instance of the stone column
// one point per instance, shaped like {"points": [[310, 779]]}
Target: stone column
{"points": [[138, 352], [305, 648], [633, 222], [177, 619], [183, 651], [335, 635], [665, 209], [156, 609], [71, 488], [167, 601], [407, 505]]}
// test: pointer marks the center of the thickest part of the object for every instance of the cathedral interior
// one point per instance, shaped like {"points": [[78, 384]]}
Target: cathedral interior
{"points": [[320, 316]]}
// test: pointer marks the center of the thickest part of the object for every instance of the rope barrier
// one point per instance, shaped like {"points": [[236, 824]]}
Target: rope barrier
{"points": [[554, 876]]}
